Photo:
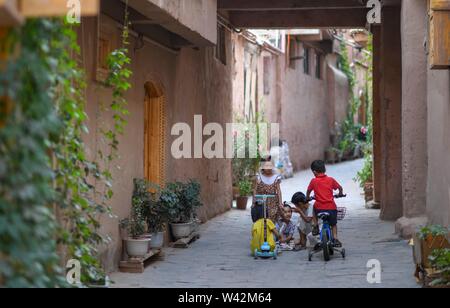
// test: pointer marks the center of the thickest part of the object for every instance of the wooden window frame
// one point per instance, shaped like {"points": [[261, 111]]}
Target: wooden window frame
{"points": [[221, 46]]}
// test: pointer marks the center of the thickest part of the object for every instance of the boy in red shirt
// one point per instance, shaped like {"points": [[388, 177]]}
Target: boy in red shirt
{"points": [[323, 187]]}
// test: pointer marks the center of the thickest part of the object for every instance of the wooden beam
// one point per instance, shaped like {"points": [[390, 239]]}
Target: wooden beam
{"points": [[348, 18], [9, 13], [440, 5], [50, 8], [439, 34], [250, 5]]}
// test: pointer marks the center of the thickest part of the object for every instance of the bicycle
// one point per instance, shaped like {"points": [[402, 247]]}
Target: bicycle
{"points": [[326, 235]]}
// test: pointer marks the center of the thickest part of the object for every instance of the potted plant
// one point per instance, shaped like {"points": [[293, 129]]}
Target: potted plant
{"points": [[162, 206], [137, 244], [332, 155], [245, 190], [156, 217], [182, 209], [428, 239], [440, 262], [365, 178], [245, 166], [137, 240]]}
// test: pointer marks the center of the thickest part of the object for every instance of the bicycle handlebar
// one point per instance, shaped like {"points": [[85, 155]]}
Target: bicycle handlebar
{"points": [[312, 198], [264, 196]]}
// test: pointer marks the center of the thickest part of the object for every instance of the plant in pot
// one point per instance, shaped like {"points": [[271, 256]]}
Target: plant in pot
{"points": [[137, 240], [157, 216], [365, 177], [245, 190], [156, 226], [440, 262], [183, 213], [428, 239], [332, 155], [137, 243]]}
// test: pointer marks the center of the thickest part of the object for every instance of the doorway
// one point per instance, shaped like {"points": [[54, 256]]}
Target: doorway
{"points": [[154, 133]]}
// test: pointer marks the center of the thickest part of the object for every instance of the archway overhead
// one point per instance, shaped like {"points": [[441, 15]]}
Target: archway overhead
{"points": [[249, 5], [316, 18], [283, 14]]}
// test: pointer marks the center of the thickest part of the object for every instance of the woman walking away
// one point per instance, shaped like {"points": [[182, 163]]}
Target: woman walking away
{"points": [[268, 183]]}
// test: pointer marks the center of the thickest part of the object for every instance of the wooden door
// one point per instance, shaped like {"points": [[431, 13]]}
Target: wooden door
{"points": [[154, 137]]}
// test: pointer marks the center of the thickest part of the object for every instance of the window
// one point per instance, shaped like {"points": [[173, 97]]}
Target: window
{"points": [[107, 41], [267, 75], [318, 66], [221, 52], [306, 60]]}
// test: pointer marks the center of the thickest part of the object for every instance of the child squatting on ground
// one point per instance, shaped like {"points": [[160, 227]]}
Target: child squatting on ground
{"points": [[305, 224], [323, 187], [258, 229]]}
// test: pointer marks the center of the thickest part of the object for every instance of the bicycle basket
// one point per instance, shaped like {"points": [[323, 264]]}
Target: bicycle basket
{"points": [[341, 213]]}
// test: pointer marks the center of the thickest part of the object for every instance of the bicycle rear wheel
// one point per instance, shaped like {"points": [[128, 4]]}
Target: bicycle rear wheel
{"points": [[325, 248]]}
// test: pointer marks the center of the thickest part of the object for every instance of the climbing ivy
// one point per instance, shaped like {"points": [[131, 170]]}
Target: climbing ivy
{"points": [[27, 224], [349, 131], [43, 165], [75, 174], [85, 187], [365, 175], [118, 81]]}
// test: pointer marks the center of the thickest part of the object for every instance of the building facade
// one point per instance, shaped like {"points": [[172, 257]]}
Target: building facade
{"points": [[177, 74], [298, 85], [186, 63]]}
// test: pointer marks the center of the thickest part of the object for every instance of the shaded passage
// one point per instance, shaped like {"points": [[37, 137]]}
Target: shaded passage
{"points": [[221, 258]]}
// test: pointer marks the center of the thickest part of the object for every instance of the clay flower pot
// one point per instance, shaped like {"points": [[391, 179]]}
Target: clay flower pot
{"points": [[157, 241], [182, 230], [235, 192], [368, 191], [241, 203], [137, 248], [331, 156]]}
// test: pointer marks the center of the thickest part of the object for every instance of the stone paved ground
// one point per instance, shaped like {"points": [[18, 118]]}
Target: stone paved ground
{"points": [[221, 258]]}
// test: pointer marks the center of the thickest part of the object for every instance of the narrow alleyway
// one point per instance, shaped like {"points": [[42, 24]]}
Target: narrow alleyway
{"points": [[221, 258]]}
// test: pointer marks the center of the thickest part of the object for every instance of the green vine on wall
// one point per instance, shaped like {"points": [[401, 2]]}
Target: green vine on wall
{"points": [[27, 224], [43, 165], [118, 81], [85, 199], [75, 174]]}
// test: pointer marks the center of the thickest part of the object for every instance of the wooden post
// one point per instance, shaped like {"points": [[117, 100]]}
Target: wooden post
{"points": [[391, 115], [6, 51], [439, 34], [50, 8], [14, 12], [377, 152], [9, 13]]}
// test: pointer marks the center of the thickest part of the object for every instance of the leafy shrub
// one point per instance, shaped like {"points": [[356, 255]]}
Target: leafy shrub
{"points": [[366, 174], [136, 223], [245, 188], [188, 196], [433, 230], [440, 260]]}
